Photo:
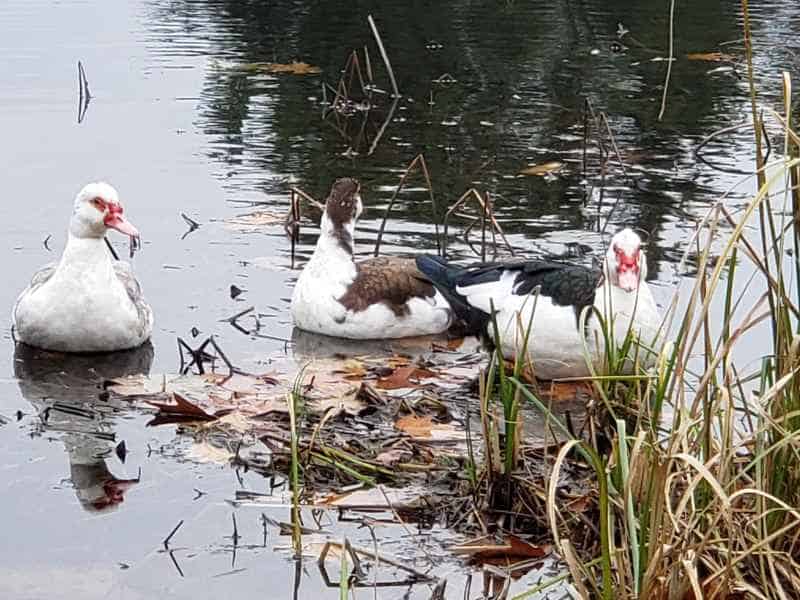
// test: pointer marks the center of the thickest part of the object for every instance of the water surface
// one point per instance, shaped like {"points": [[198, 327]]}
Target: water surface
{"points": [[179, 122]]}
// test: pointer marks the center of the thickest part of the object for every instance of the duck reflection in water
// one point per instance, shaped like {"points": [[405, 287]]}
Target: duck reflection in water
{"points": [[67, 392], [309, 346]]}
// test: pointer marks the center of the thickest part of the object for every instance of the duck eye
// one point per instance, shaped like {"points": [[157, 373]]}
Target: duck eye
{"points": [[98, 203]]}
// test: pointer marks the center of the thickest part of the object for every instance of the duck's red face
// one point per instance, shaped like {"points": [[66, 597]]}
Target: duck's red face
{"points": [[113, 217], [625, 260], [628, 270]]}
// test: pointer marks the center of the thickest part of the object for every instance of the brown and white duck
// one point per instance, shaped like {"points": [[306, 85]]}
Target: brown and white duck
{"points": [[376, 298]]}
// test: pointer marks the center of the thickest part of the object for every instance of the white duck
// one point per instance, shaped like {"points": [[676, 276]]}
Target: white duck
{"points": [[377, 298], [86, 302], [618, 292]]}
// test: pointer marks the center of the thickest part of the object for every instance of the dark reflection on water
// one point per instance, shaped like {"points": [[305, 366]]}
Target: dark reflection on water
{"points": [[522, 71], [67, 393]]}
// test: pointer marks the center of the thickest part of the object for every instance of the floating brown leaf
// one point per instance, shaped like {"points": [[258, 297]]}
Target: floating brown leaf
{"points": [[566, 390], [182, 410], [711, 56], [349, 402], [404, 377], [293, 68], [543, 169], [352, 369], [513, 549], [254, 221], [374, 499], [425, 429]]}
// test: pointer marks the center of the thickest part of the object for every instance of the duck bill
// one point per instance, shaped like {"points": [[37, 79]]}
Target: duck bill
{"points": [[118, 222], [629, 280]]}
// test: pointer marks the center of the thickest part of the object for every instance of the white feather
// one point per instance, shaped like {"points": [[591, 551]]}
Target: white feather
{"points": [[83, 306], [555, 342], [482, 295]]}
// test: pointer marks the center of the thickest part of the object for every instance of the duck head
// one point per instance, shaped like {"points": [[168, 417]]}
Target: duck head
{"points": [[98, 209], [342, 209], [625, 263]]}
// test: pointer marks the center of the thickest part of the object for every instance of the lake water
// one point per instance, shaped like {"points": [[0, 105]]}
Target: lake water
{"points": [[181, 121]]}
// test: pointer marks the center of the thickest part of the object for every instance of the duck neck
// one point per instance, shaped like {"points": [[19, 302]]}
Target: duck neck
{"points": [[336, 239], [85, 251]]}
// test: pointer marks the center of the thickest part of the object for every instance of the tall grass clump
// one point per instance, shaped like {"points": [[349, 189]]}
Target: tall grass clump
{"points": [[697, 456]]}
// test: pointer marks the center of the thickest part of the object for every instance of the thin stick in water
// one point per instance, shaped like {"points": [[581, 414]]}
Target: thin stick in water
{"points": [[171, 533], [671, 58], [385, 57]]}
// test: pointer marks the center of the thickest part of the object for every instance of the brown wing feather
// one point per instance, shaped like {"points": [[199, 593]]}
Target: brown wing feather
{"points": [[392, 281]]}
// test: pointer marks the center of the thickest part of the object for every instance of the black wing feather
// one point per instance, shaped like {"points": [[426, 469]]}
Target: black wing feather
{"points": [[564, 284]]}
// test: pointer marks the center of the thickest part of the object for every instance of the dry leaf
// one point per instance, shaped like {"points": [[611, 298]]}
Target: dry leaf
{"points": [[393, 456], [241, 383], [374, 499], [348, 402], [293, 68], [579, 505], [543, 169], [254, 221], [711, 56], [352, 369], [513, 550], [424, 429], [397, 361], [182, 410], [566, 390], [402, 377]]}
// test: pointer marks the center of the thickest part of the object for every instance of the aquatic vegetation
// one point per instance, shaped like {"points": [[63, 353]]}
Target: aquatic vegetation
{"points": [[695, 461]]}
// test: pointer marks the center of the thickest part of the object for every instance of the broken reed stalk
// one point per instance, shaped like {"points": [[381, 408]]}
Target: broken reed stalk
{"points": [[419, 162], [171, 533], [293, 398], [368, 65], [344, 572], [384, 56], [485, 207], [380, 133], [670, 59], [291, 224], [604, 154]]}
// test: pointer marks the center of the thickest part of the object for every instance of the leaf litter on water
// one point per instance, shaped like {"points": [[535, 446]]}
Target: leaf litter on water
{"points": [[548, 168]]}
